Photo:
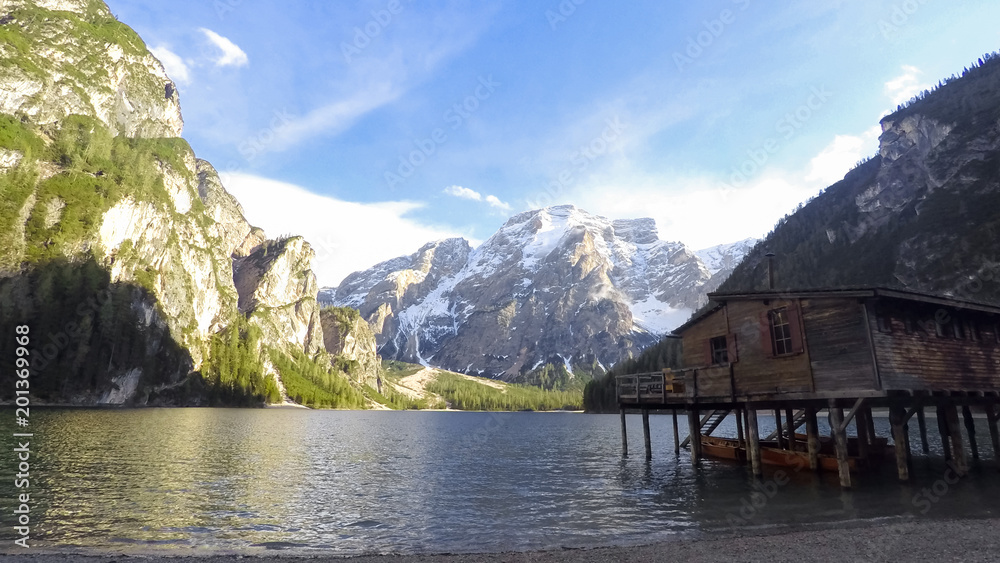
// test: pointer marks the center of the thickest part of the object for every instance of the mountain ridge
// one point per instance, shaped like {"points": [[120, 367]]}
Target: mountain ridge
{"points": [[614, 281]]}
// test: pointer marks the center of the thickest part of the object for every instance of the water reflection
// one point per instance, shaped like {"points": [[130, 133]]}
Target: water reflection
{"points": [[353, 482]]}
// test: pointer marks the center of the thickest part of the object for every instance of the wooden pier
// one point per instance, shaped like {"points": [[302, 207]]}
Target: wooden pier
{"points": [[840, 352]]}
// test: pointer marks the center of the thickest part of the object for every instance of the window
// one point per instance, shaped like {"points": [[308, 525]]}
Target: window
{"points": [[720, 350], [958, 328], [972, 329], [945, 324], [781, 332], [884, 321]]}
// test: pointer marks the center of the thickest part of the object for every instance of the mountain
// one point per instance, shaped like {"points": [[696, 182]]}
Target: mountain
{"points": [[922, 214], [555, 286], [722, 259], [134, 270]]}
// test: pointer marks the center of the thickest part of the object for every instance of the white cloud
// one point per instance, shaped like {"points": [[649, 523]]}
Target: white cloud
{"points": [[231, 54], [393, 64], [346, 236], [175, 66], [466, 193], [335, 117], [903, 87], [833, 162], [494, 201], [700, 212]]}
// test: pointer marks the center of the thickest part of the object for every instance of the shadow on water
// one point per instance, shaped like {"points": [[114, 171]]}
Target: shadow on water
{"points": [[418, 482]]}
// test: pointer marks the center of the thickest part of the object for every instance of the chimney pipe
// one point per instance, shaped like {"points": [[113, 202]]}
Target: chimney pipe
{"points": [[770, 270]]}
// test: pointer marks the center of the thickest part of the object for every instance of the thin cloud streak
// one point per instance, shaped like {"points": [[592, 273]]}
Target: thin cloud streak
{"points": [[465, 193], [231, 55]]}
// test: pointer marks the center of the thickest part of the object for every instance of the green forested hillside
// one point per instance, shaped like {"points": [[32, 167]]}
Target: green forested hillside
{"points": [[924, 214], [464, 394]]}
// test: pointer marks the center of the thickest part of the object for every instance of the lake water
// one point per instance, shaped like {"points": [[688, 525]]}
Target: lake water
{"points": [[226, 480]]}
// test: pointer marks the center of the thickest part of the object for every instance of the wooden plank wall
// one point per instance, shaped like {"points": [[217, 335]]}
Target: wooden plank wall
{"points": [[695, 339], [756, 372], [921, 360], [839, 350], [714, 382]]}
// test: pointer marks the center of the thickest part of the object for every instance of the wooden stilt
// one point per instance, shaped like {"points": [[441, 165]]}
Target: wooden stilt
{"points": [[812, 433], [942, 422], [754, 441], [870, 420], [840, 438], [922, 423], [677, 436], [645, 433], [779, 429], [694, 432], [624, 435], [740, 436], [790, 428], [746, 426], [970, 429], [861, 429], [957, 449], [896, 416], [906, 438], [991, 421]]}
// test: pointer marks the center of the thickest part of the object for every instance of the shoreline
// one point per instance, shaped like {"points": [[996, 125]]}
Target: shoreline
{"points": [[275, 407], [966, 540]]}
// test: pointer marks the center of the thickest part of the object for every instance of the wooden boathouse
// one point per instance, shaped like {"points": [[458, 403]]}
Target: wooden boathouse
{"points": [[797, 353]]}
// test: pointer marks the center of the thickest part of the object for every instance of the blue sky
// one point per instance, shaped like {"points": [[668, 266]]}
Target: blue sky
{"points": [[372, 127]]}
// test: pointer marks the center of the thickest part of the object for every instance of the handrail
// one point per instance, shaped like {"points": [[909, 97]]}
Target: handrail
{"points": [[644, 387]]}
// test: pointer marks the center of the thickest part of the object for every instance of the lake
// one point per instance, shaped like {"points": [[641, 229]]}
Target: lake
{"points": [[226, 480]]}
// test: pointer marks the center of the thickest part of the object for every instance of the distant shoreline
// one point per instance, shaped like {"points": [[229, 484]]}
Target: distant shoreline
{"points": [[970, 540]]}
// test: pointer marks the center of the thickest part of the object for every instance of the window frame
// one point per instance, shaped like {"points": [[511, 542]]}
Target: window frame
{"points": [[883, 321], [785, 342], [718, 355]]}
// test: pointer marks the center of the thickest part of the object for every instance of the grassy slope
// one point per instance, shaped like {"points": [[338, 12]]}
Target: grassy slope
{"points": [[464, 392]]}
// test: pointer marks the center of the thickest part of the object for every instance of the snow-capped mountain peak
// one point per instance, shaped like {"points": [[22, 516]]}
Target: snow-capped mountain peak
{"points": [[555, 285]]}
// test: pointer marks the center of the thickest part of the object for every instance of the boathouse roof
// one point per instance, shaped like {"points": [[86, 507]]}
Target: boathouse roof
{"points": [[717, 300]]}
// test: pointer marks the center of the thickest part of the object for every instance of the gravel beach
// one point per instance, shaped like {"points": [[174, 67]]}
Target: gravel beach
{"points": [[923, 540]]}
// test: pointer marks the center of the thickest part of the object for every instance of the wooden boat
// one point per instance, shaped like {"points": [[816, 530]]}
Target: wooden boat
{"points": [[800, 459], [722, 448], [771, 452]]}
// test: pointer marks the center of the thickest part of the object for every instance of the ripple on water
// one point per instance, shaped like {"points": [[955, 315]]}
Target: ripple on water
{"points": [[355, 482]]}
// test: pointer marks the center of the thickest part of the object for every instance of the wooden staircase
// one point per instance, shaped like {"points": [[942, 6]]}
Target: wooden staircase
{"points": [[798, 419], [708, 424]]}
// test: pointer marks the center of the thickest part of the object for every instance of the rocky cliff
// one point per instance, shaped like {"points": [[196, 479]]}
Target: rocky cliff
{"points": [[556, 286], [124, 254], [923, 213], [349, 337], [71, 57]]}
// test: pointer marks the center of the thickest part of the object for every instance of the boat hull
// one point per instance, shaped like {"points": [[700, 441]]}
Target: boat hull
{"points": [[772, 454]]}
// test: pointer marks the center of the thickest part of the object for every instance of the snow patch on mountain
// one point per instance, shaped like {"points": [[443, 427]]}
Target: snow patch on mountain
{"points": [[555, 285], [725, 257]]}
